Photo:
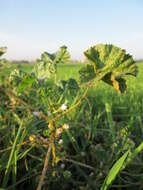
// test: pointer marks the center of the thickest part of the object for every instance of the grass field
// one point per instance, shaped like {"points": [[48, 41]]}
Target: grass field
{"points": [[103, 111], [102, 93], [128, 104], [71, 71], [68, 70]]}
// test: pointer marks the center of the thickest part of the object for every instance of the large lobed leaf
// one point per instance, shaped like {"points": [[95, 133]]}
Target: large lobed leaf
{"points": [[110, 63], [48, 63]]}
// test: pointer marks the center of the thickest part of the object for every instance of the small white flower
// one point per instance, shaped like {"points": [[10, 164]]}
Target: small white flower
{"points": [[91, 174], [83, 154], [62, 166], [63, 107], [49, 113], [36, 113], [101, 164], [100, 174], [60, 141], [65, 126], [58, 131]]}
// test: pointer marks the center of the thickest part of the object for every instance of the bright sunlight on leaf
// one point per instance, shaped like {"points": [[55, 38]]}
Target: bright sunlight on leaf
{"points": [[47, 65], [110, 63]]}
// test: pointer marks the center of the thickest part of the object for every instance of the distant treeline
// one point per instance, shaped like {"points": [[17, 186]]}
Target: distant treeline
{"points": [[71, 61], [21, 61], [30, 62], [139, 60]]}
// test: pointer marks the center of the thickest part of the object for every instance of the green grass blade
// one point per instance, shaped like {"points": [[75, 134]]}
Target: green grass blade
{"points": [[8, 167], [14, 170], [114, 171], [134, 154], [110, 120]]}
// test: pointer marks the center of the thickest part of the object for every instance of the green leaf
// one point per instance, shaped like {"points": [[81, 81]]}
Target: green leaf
{"points": [[114, 171], [87, 73], [70, 84], [43, 69], [48, 56], [47, 65], [111, 64], [62, 56], [10, 160], [25, 84], [15, 77], [132, 155]]}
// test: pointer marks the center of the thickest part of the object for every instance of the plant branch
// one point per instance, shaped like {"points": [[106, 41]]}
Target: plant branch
{"points": [[41, 182]]}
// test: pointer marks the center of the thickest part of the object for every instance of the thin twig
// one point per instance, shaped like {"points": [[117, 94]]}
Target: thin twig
{"points": [[41, 182], [79, 163]]}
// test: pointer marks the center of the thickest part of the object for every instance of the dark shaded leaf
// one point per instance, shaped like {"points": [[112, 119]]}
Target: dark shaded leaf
{"points": [[87, 73]]}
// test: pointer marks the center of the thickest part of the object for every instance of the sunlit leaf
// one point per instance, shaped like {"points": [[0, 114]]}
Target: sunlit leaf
{"points": [[62, 56], [44, 68], [47, 65], [109, 62]]}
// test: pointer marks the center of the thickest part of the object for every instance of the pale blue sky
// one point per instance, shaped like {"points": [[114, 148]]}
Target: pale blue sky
{"points": [[29, 27]]}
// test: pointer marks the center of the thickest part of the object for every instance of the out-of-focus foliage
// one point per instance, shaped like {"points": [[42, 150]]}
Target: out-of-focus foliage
{"points": [[2, 51]]}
